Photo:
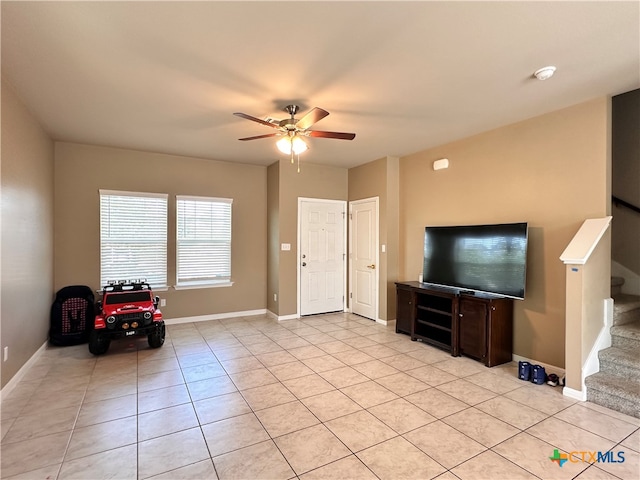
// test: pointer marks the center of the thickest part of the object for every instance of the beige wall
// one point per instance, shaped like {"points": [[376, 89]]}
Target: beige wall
{"points": [[313, 181], [27, 234], [82, 170], [551, 171], [273, 247], [626, 146], [626, 179], [393, 233], [380, 179]]}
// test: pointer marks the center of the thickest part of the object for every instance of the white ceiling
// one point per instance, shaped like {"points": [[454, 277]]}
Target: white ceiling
{"points": [[404, 76]]}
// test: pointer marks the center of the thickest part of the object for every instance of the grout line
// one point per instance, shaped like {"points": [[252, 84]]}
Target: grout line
{"points": [[257, 329]]}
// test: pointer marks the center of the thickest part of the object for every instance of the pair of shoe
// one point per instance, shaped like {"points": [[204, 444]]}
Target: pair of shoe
{"points": [[554, 380], [531, 373]]}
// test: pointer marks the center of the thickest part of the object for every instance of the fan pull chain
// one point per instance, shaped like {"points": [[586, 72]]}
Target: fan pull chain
{"points": [[298, 163]]}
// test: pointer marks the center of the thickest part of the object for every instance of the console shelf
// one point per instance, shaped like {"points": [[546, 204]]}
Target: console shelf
{"points": [[434, 325], [475, 326], [434, 310]]}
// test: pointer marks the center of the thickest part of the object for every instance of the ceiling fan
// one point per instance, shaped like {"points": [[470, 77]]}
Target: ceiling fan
{"points": [[292, 129]]}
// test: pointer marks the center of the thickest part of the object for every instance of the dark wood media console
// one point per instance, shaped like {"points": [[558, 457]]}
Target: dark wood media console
{"points": [[477, 326]]}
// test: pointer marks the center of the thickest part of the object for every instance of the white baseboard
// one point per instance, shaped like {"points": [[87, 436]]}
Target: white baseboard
{"points": [[282, 317], [214, 316], [11, 384], [386, 322], [580, 395]]}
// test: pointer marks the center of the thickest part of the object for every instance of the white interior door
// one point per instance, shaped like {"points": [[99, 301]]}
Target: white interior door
{"points": [[321, 251], [363, 254]]}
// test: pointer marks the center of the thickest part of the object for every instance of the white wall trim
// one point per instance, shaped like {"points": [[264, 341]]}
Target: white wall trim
{"points": [[11, 384], [386, 322], [214, 316], [282, 317], [585, 241], [575, 394]]}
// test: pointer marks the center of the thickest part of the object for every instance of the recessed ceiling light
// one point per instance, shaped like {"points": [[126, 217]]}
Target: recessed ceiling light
{"points": [[544, 73]]}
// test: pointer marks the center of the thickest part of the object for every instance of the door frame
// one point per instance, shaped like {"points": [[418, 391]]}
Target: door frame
{"points": [[376, 235], [343, 203]]}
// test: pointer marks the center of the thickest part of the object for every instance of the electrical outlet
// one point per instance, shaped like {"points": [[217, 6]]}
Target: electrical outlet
{"points": [[5, 354], [163, 302], [275, 297]]}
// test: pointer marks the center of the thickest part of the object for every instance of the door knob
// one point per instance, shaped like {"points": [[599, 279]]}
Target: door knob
{"points": [[372, 266], [304, 264]]}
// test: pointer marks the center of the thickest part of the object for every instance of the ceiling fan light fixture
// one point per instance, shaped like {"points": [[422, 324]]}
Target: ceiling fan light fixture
{"points": [[298, 145], [292, 144], [291, 130], [545, 73]]}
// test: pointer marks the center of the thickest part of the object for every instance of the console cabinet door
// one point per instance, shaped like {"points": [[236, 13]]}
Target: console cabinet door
{"points": [[475, 326], [472, 326], [404, 310]]}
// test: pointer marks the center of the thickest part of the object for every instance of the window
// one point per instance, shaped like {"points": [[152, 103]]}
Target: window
{"points": [[133, 237], [204, 241]]}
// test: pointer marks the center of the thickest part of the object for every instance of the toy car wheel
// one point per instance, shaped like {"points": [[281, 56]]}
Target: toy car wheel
{"points": [[156, 339], [98, 344]]}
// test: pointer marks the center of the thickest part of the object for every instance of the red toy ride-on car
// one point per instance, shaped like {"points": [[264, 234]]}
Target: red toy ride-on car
{"points": [[127, 309]]}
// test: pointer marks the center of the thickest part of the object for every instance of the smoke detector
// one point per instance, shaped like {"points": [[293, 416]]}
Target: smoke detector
{"points": [[544, 73]]}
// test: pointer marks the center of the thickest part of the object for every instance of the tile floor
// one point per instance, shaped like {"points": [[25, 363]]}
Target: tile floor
{"points": [[331, 396]]}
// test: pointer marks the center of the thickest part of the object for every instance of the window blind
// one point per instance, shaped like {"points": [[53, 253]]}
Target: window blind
{"points": [[203, 240], [133, 237]]}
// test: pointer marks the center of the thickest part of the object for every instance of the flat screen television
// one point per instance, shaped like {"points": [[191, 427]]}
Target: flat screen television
{"points": [[490, 259]]}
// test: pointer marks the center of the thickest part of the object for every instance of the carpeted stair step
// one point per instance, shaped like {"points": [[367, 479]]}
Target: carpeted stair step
{"points": [[626, 336], [626, 308], [620, 362], [616, 385], [616, 285], [616, 393]]}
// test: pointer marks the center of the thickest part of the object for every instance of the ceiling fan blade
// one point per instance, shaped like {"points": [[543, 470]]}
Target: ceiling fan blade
{"points": [[254, 119], [260, 136], [314, 115], [338, 135]]}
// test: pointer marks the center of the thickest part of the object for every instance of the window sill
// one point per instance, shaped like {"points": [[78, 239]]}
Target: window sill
{"points": [[193, 286]]}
